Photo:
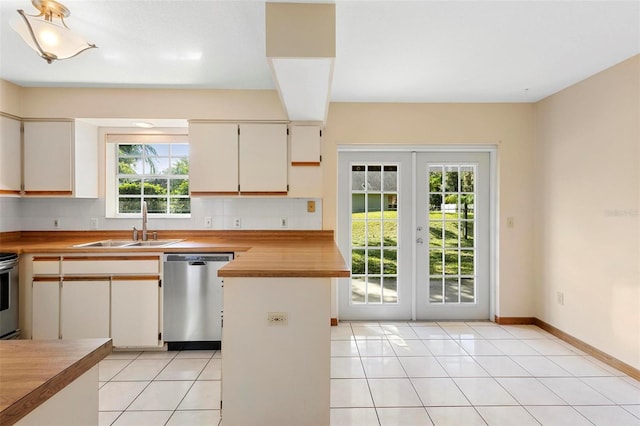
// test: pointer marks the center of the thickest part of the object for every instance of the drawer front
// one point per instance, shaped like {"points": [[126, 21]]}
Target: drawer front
{"points": [[46, 265], [111, 265]]}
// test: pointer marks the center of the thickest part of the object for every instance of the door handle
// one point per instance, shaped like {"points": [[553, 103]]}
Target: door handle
{"points": [[420, 241]]}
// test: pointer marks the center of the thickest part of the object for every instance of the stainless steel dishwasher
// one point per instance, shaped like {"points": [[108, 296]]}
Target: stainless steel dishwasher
{"points": [[193, 300]]}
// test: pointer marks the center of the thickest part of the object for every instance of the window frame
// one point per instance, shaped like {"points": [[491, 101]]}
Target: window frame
{"points": [[111, 175]]}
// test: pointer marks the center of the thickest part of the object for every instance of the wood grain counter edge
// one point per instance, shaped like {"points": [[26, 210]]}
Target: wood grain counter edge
{"points": [[17, 409]]}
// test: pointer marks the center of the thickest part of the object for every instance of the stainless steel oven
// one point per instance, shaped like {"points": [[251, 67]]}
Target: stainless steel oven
{"points": [[9, 296]]}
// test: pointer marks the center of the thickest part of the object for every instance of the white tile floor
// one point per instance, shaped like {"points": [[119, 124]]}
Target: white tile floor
{"points": [[404, 374]]}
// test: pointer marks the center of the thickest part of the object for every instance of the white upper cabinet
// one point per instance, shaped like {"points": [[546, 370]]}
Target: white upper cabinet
{"points": [[305, 145], [213, 158], [263, 158], [10, 171], [305, 171], [232, 159], [60, 159]]}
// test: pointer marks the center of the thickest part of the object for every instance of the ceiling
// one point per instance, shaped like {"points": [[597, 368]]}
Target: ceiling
{"points": [[386, 51]]}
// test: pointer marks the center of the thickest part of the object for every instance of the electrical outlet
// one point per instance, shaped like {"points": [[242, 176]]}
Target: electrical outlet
{"points": [[560, 298], [284, 222], [277, 318], [208, 222], [94, 223], [56, 223], [237, 223]]}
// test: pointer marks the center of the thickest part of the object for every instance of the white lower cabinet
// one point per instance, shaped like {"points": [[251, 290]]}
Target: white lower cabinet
{"points": [[76, 297], [134, 312], [46, 309], [84, 309]]}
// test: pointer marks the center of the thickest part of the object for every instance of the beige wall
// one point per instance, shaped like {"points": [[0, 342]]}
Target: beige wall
{"points": [[10, 98], [150, 103], [508, 126], [587, 203]]}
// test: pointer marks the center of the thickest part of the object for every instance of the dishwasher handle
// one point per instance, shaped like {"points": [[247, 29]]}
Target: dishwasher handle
{"points": [[197, 263]]}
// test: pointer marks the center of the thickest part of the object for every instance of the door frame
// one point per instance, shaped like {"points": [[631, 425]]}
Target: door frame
{"points": [[494, 217]]}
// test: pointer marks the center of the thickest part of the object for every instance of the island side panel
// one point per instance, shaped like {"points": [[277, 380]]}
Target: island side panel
{"points": [[276, 374]]}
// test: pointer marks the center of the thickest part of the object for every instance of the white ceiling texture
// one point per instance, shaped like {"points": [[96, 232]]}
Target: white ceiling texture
{"points": [[386, 51]]}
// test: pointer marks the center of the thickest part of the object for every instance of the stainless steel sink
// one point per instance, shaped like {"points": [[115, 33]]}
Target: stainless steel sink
{"points": [[127, 243]]}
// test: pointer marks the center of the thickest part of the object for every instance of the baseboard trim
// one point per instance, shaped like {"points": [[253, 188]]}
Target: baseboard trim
{"points": [[334, 322], [587, 348], [514, 320]]}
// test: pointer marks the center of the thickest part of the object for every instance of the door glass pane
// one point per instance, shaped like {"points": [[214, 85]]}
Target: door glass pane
{"points": [[374, 233], [452, 233]]}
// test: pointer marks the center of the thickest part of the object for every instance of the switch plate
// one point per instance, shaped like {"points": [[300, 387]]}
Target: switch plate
{"points": [[560, 298], [56, 223], [277, 318], [311, 206], [284, 222], [509, 222], [208, 222], [94, 223]]}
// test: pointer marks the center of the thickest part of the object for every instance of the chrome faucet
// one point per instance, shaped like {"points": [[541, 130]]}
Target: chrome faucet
{"points": [[144, 221]]}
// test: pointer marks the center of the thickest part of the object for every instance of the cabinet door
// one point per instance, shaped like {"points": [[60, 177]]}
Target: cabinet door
{"points": [[48, 158], [84, 309], [213, 158], [10, 157], [305, 145], [135, 311], [263, 159], [46, 309]]}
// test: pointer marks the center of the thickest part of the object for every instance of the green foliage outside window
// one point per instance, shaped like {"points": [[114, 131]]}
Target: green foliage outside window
{"points": [[157, 174]]}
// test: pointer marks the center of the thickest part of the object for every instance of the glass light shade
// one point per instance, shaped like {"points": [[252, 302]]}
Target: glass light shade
{"points": [[52, 40]]}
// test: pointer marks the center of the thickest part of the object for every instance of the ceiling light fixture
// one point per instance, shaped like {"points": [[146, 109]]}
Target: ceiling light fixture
{"points": [[52, 39], [144, 124]]}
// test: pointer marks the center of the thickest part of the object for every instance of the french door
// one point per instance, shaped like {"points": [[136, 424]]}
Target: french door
{"points": [[415, 228]]}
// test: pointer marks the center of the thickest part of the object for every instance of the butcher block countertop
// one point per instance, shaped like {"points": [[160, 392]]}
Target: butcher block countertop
{"points": [[258, 253], [31, 371]]}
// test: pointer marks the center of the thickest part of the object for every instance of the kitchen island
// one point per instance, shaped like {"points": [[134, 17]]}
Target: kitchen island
{"points": [[53, 382]]}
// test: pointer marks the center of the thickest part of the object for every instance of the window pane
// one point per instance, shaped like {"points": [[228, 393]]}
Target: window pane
{"points": [[435, 179], [155, 186], [390, 178], [130, 166], [435, 262], [179, 186], [373, 261], [451, 262], [374, 293], [374, 206], [390, 290], [357, 178], [180, 205], [451, 234], [451, 179], [358, 289], [466, 233], [129, 205], [451, 290], [466, 262], [156, 205], [129, 186], [357, 261], [435, 233], [390, 233], [130, 150], [180, 150], [374, 177], [390, 202], [373, 233], [467, 290], [357, 233], [157, 149], [180, 166], [466, 178], [435, 290], [389, 262], [158, 165]]}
